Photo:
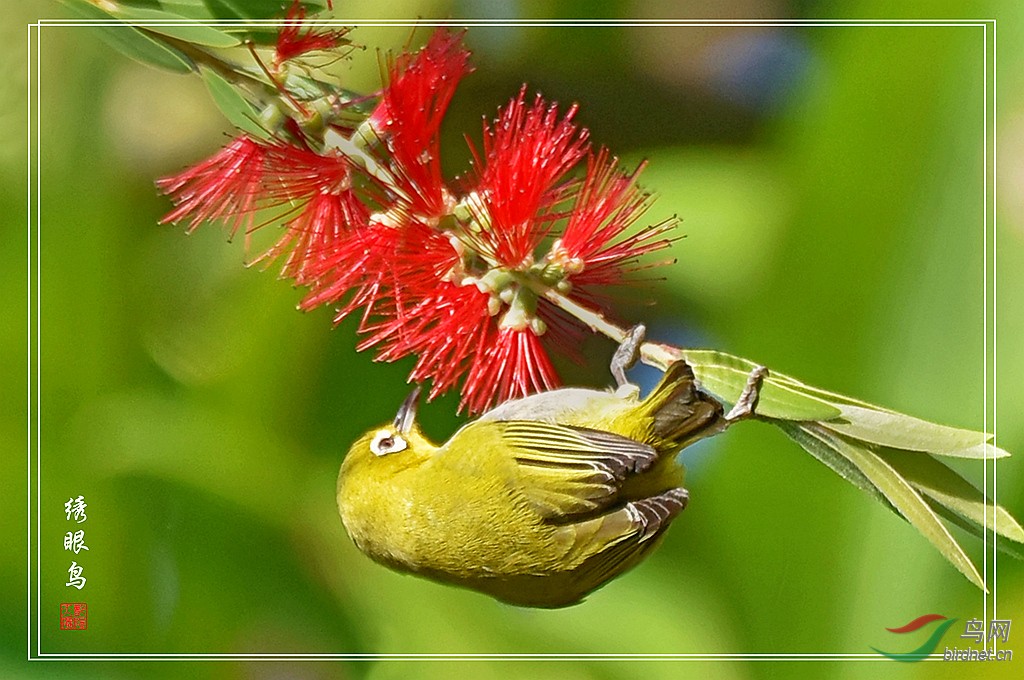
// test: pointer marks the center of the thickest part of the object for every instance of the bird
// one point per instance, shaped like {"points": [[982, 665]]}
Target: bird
{"points": [[539, 501]]}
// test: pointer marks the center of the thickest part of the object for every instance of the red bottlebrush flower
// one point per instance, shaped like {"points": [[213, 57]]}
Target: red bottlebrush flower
{"points": [[413, 304], [383, 268], [609, 202], [526, 152], [513, 363], [324, 183], [295, 172], [372, 228], [313, 237], [247, 175], [357, 271], [422, 85], [408, 118], [292, 42], [226, 186], [446, 330]]}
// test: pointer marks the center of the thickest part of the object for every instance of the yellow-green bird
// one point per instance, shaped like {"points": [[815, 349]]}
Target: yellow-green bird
{"points": [[539, 501]]}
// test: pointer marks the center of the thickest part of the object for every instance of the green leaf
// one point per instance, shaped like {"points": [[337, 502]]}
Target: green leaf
{"points": [[192, 9], [188, 32], [238, 111], [725, 376], [962, 444], [1003, 545], [263, 35], [820, 447], [899, 431], [785, 398], [826, 395], [257, 9], [303, 87], [132, 42], [904, 498], [946, 487]]}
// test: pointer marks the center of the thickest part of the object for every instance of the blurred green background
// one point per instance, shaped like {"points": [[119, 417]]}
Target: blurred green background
{"points": [[830, 181]]}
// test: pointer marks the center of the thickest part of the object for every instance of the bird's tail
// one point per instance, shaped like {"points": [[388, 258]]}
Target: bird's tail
{"points": [[680, 413]]}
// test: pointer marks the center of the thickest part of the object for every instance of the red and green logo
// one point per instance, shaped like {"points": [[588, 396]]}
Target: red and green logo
{"points": [[929, 645]]}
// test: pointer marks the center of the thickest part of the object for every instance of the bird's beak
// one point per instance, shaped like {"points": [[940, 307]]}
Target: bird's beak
{"points": [[407, 412]]}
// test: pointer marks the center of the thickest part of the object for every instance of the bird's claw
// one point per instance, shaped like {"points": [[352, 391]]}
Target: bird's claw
{"points": [[744, 406], [627, 354]]}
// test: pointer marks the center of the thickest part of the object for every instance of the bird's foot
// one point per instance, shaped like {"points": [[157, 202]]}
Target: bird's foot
{"points": [[627, 354], [744, 406]]}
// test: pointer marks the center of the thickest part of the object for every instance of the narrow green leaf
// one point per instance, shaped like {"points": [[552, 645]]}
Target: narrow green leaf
{"points": [[304, 87], [825, 395], [233, 105], [978, 449], [905, 498], [946, 487], [257, 9], [192, 9], [900, 431], [262, 35], [1003, 545], [786, 398], [819, 447], [188, 32], [983, 451], [132, 42], [725, 376]]}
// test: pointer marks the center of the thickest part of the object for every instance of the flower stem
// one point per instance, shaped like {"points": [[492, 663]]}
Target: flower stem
{"points": [[651, 353]]}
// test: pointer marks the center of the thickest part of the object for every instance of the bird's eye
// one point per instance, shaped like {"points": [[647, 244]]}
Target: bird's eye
{"points": [[386, 441]]}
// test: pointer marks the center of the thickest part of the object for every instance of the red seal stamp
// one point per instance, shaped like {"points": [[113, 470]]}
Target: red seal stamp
{"points": [[74, 616]]}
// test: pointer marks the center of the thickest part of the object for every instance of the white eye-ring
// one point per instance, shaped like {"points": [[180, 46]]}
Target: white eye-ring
{"points": [[386, 441]]}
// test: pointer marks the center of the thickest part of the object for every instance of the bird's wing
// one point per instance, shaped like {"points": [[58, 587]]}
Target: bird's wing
{"points": [[607, 545], [570, 471]]}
